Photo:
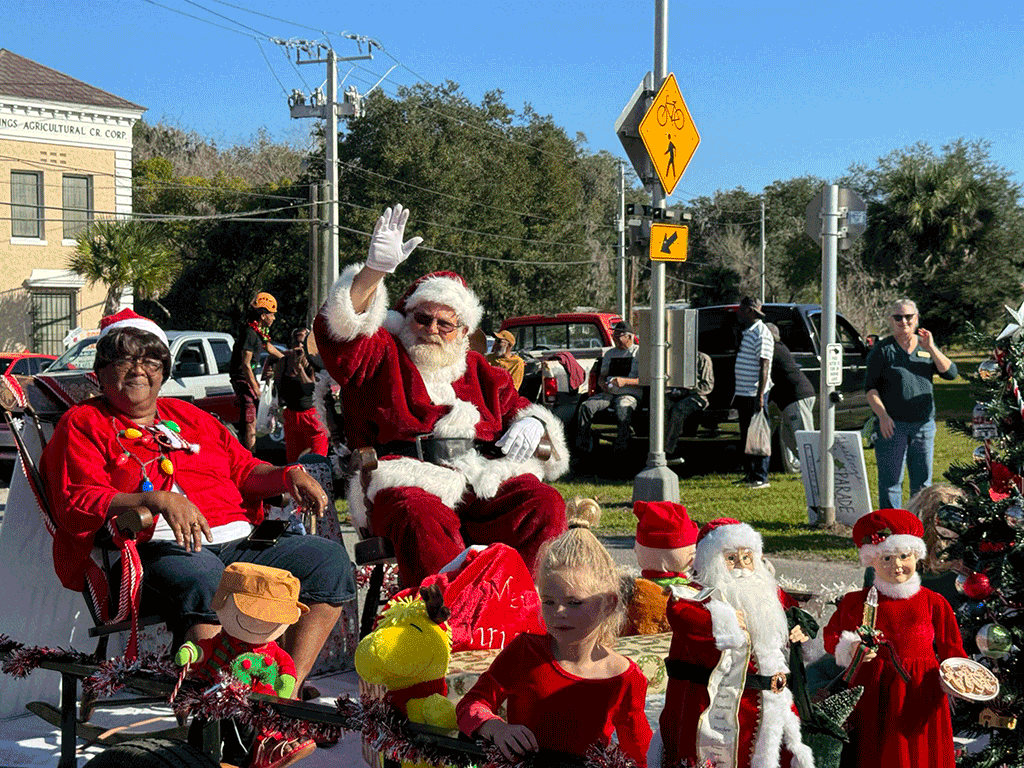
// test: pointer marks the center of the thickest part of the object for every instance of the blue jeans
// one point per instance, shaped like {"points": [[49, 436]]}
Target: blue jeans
{"points": [[912, 443]]}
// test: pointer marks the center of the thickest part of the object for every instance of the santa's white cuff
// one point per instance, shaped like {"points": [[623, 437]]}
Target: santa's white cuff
{"points": [[343, 321], [725, 626], [846, 647]]}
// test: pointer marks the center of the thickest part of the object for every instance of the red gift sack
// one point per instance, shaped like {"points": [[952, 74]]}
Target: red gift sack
{"points": [[491, 595]]}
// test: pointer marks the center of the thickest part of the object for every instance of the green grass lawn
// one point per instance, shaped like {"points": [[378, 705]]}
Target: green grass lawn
{"points": [[707, 489]]}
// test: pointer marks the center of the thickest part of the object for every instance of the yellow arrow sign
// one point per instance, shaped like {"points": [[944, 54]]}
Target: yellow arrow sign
{"points": [[669, 242], [669, 134]]}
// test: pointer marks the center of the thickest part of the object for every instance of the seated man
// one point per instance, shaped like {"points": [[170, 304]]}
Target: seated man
{"points": [[504, 357], [620, 391], [683, 403], [456, 440]]}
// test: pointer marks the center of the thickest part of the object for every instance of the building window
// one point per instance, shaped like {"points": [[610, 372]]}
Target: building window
{"points": [[27, 204], [77, 204], [53, 315]]}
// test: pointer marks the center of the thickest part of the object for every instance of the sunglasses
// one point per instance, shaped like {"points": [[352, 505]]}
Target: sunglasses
{"points": [[907, 318], [425, 320], [125, 364]]}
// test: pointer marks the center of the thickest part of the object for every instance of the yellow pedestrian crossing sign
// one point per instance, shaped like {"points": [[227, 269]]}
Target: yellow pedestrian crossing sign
{"points": [[669, 134], [669, 242]]}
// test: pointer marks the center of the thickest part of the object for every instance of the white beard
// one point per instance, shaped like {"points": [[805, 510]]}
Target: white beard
{"points": [[435, 353], [756, 593]]}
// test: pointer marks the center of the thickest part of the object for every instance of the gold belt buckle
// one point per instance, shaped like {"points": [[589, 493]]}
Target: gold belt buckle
{"points": [[778, 682]]}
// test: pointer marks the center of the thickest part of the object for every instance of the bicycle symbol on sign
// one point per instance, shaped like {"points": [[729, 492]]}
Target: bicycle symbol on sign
{"points": [[670, 110]]}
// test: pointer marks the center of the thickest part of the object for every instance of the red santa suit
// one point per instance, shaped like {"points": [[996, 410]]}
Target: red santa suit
{"points": [[428, 511], [705, 629], [896, 722]]}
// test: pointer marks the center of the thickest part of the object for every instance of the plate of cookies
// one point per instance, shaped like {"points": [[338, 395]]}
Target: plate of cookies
{"points": [[967, 679]]}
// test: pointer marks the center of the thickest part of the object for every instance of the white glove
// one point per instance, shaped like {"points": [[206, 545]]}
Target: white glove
{"points": [[387, 250], [522, 439]]}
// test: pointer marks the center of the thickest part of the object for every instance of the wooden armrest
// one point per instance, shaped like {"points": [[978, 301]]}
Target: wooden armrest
{"points": [[134, 520]]}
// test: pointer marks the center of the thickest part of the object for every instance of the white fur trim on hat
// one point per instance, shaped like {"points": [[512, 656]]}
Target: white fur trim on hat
{"points": [[141, 324], [893, 545], [723, 538], [451, 293]]}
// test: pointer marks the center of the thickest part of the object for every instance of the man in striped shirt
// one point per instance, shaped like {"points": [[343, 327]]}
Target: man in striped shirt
{"points": [[753, 380]]}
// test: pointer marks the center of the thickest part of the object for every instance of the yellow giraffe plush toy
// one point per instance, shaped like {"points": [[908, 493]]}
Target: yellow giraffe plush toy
{"points": [[408, 653]]}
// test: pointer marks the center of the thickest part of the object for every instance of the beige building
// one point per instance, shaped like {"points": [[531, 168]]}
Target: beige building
{"points": [[65, 158]]}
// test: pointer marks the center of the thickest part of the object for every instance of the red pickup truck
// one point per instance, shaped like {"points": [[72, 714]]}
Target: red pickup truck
{"points": [[539, 339]]}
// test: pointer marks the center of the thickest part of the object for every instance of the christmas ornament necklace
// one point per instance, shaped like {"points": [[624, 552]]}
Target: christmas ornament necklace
{"points": [[261, 330], [163, 436]]}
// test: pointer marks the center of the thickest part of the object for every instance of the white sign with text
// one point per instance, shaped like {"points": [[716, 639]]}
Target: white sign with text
{"points": [[852, 492]]}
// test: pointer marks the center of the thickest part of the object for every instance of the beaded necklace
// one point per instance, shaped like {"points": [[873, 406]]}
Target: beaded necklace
{"points": [[261, 330], [164, 436]]}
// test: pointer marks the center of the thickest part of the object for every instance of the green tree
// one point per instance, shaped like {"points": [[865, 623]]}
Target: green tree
{"points": [[945, 229], [123, 254]]}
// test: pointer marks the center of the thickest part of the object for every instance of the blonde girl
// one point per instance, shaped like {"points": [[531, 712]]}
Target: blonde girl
{"points": [[567, 689]]}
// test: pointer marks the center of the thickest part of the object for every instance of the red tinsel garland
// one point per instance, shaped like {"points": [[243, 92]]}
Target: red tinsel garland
{"points": [[383, 726]]}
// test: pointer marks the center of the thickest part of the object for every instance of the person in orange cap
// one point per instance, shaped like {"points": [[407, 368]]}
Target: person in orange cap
{"points": [[253, 338], [503, 358]]}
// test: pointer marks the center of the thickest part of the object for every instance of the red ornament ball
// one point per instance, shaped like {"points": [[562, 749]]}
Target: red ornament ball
{"points": [[977, 586]]}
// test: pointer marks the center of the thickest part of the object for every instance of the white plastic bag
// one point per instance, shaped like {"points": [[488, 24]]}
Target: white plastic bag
{"points": [[266, 421], [759, 436]]}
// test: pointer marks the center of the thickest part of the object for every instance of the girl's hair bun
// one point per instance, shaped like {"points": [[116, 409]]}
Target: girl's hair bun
{"points": [[582, 513]]}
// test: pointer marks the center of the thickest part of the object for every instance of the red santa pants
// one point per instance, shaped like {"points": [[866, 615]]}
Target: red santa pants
{"points": [[428, 535], [302, 431]]}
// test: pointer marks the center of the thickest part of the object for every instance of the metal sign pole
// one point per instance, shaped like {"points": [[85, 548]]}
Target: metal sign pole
{"points": [[657, 482], [826, 404]]}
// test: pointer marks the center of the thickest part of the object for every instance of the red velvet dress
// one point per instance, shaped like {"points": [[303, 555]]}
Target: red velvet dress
{"points": [[897, 723], [565, 712], [693, 641]]}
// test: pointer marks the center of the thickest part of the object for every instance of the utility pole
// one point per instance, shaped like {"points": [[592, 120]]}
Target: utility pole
{"points": [[620, 282], [658, 482], [762, 248], [826, 403], [326, 107]]}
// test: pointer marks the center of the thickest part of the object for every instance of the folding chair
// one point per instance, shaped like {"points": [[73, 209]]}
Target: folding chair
{"points": [[375, 551]]}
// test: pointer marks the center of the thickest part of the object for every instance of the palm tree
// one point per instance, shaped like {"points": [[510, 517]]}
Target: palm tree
{"points": [[123, 253]]}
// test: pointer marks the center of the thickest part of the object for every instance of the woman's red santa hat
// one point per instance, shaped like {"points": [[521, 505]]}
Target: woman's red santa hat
{"points": [[447, 288], [888, 532], [721, 535], [129, 318]]}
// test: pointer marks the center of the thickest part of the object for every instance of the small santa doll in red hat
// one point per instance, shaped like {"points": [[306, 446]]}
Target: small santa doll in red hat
{"points": [[729, 698], [903, 716], [666, 538]]}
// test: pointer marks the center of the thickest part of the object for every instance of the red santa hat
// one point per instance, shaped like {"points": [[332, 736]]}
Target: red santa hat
{"points": [[888, 532], [663, 525], [722, 534], [447, 288], [129, 318]]}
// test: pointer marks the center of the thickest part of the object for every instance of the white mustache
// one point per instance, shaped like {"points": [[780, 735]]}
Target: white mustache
{"points": [[741, 573]]}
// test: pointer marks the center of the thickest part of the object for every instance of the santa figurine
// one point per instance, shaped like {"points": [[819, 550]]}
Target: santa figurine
{"points": [[728, 698], [891, 638], [666, 538]]}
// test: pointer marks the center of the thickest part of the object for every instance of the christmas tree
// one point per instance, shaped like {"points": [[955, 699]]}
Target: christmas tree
{"points": [[990, 549]]}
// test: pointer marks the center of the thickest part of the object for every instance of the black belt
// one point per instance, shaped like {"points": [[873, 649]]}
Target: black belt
{"points": [[694, 673], [436, 450]]}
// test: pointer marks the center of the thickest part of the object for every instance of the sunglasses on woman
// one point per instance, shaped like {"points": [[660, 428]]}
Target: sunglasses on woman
{"points": [[907, 318]]}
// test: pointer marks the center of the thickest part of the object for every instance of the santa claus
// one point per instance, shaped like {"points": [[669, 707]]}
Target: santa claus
{"points": [[458, 445], [728, 698]]}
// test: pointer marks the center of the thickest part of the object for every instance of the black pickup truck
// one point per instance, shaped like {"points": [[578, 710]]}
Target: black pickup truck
{"points": [[718, 336]]}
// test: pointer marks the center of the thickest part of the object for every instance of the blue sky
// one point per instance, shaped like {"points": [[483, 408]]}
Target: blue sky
{"points": [[776, 90]]}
